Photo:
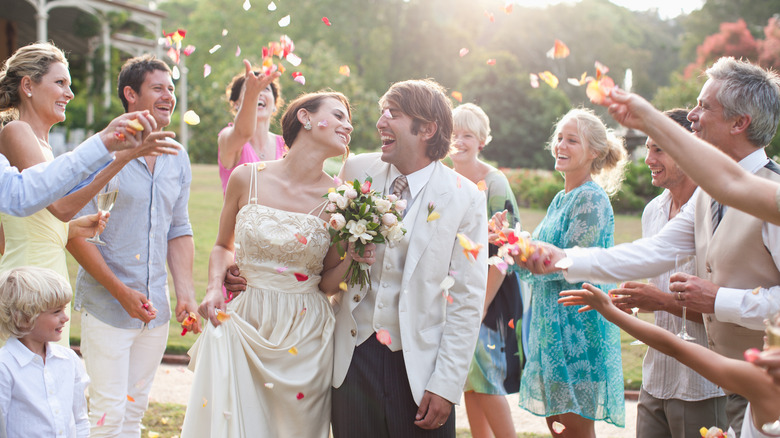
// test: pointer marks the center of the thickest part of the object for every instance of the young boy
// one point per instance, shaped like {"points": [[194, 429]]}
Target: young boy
{"points": [[41, 383]]}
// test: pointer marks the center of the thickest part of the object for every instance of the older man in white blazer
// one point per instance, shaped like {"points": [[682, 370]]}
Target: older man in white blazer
{"points": [[407, 386]]}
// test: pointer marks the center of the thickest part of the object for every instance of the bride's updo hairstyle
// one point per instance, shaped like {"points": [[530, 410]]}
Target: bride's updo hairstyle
{"points": [[608, 168], [311, 102], [33, 60]]}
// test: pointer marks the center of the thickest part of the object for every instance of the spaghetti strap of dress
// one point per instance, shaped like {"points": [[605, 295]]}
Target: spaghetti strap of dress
{"points": [[321, 206], [253, 182]]}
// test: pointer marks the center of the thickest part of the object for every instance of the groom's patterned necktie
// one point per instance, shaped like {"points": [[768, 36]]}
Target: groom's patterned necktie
{"points": [[399, 186]]}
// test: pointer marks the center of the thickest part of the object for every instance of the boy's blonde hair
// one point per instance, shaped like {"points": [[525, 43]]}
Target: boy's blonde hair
{"points": [[27, 292]]}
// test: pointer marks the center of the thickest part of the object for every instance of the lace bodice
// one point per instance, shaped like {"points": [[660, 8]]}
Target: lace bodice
{"points": [[270, 242]]}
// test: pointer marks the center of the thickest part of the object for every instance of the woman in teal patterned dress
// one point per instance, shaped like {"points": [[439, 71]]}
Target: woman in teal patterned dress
{"points": [[495, 368], [574, 372]]}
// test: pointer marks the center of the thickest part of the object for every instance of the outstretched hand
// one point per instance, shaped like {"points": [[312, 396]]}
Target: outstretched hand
{"points": [[628, 109], [590, 297], [255, 83], [120, 134]]}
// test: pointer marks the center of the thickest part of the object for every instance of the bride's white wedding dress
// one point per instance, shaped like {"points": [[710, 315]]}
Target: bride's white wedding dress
{"points": [[267, 370]]}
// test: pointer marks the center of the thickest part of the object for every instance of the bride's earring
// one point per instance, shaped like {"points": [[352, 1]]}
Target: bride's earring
{"points": [[307, 126]]}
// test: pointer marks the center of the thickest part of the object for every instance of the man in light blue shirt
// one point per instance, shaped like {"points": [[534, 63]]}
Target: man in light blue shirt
{"points": [[24, 193], [122, 287]]}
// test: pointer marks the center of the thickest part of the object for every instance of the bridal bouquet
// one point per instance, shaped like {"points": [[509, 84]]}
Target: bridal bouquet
{"points": [[360, 215]]}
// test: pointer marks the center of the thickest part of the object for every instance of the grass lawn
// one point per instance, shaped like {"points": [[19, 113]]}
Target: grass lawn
{"points": [[206, 203]]}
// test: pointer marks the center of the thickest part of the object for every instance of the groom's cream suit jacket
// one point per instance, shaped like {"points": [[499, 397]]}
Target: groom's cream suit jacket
{"points": [[438, 334]]}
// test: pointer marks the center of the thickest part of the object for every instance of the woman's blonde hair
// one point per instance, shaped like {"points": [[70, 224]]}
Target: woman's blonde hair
{"points": [[608, 168], [27, 292], [470, 117], [33, 60]]}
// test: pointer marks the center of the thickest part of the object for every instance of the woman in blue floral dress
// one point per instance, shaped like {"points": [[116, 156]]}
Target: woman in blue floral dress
{"points": [[574, 372]]}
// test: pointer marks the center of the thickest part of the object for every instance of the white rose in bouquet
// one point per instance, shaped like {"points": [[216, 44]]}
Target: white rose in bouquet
{"points": [[333, 196], [351, 193], [342, 202], [400, 205], [389, 219], [337, 221], [395, 233], [382, 205], [359, 230]]}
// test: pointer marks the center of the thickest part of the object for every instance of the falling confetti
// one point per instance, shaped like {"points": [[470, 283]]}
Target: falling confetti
{"points": [[549, 78], [491, 346], [299, 396], [301, 238], [206, 70], [224, 32], [238, 50], [457, 95], [751, 354], [175, 73], [534, 80], [281, 269], [512, 323], [293, 351], [188, 50], [598, 90], [481, 185], [491, 61], [191, 118], [303, 312], [463, 52], [558, 51], [293, 59], [215, 48], [490, 16], [272, 6], [247, 5], [583, 78], [508, 8], [285, 21], [383, 336], [301, 277], [222, 316], [469, 247], [343, 285], [558, 427], [102, 420], [344, 70], [601, 70], [300, 79], [130, 398], [138, 256], [326, 21], [205, 402]]}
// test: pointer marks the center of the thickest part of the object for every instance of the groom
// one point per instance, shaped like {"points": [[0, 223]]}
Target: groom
{"points": [[407, 386]]}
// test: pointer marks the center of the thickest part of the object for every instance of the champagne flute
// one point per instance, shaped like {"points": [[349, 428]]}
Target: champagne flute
{"points": [[687, 264], [105, 200]]}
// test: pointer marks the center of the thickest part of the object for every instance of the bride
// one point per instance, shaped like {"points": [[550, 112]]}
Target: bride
{"points": [[263, 367]]}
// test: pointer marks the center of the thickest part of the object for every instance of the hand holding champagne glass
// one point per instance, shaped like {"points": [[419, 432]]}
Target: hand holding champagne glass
{"points": [[105, 200], [687, 264]]}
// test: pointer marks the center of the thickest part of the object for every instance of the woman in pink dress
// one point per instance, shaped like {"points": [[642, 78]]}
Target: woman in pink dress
{"points": [[254, 101]]}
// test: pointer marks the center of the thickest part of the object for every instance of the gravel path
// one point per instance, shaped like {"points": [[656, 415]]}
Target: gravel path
{"points": [[172, 385]]}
